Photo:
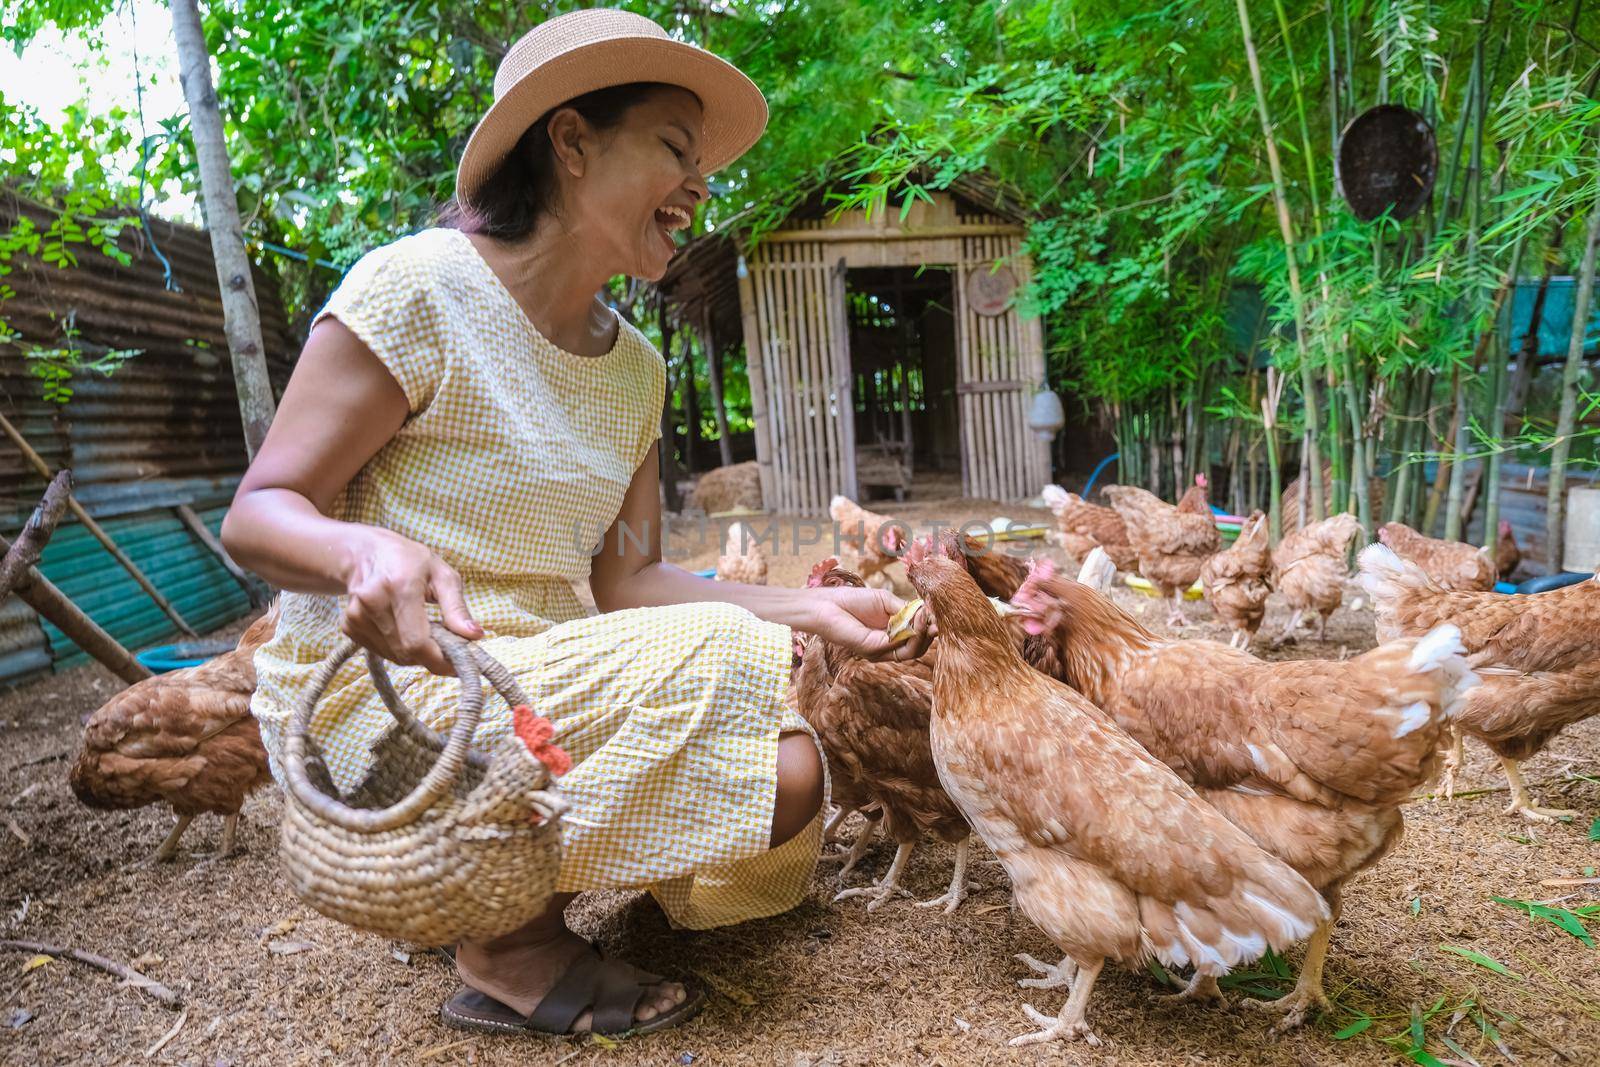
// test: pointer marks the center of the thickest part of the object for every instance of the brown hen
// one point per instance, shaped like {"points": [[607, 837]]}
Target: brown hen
{"points": [[1311, 758], [1538, 655], [872, 720], [1172, 543], [742, 558], [878, 539], [1083, 526], [1237, 581], [1110, 854], [1308, 568], [1451, 564], [1507, 553], [185, 738]]}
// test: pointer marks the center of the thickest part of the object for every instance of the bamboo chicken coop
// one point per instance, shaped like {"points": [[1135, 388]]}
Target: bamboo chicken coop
{"points": [[876, 346]]}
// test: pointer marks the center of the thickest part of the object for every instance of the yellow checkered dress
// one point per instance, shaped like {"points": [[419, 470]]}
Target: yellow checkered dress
{"points": [[512, 464]]}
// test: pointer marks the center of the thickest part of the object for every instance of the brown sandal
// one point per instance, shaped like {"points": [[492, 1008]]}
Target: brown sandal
{"points": [[611, 988]]}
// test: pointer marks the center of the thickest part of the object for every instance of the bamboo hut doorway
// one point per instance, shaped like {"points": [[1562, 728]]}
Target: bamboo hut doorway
{"points": [[788, 298], [903, 375]]}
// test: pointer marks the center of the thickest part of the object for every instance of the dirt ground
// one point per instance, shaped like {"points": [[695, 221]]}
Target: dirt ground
{"points": [[266, 981]]}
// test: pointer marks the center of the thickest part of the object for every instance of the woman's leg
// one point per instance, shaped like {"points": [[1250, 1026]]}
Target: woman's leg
{"points": [[799, 787], [519, 968]]}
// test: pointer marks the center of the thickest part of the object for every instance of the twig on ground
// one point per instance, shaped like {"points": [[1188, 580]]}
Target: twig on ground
{"points": [[121, 970], [168, 1036], [49, 757]]}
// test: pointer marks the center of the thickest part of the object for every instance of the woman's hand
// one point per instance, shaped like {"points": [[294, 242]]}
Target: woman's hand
{"points": [[857, 619], [390, 581]]}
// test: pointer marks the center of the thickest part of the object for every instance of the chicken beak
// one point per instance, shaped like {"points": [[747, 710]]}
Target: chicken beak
{"points": [[900, 627]]}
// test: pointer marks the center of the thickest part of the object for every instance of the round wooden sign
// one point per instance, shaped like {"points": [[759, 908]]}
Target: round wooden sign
{"points": [[989, 292]]}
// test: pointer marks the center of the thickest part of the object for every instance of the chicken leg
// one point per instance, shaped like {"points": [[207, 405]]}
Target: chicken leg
{"points": [[830, 832], [1307, 993], [857, 850], [1070, 1024], [1202, 988], [1522, 801], [1455, 757], [1056, 976], [1175, 617], [230, 836], [886, 889], [169, 847], [1287, 637], [951, 898]]}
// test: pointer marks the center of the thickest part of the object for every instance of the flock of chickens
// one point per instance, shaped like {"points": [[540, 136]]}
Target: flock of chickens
{"points": [[1180, 799], [1148, 797]]}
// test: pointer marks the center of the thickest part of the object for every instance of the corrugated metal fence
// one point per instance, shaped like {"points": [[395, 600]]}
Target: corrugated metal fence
{"points": [[163, 430]]}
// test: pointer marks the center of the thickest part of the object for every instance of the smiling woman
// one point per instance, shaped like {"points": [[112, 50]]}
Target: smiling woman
{"points": [[465, 405]]}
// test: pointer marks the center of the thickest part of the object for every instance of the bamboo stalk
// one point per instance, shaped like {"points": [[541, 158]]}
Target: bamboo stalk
{"points": [[1555, 495], [1296, 293], [1441, 476], [1474, 194], [37, 462]]}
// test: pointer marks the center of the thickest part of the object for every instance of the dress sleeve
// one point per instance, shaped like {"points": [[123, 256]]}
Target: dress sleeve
{"points": [[387, 301]]}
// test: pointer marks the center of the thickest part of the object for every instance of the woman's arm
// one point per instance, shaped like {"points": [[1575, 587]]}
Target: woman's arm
{"points": [[341, 406], [625, 575]]}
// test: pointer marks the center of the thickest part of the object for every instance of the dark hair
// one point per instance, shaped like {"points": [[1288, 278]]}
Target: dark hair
{"points": [[523, 187]]}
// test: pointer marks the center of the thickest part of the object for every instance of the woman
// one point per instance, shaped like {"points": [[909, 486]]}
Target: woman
{"points": [[467, 418]]}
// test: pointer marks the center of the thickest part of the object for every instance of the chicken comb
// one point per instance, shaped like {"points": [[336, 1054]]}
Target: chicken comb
{"points": [[917, 551], [820, 570], [536, 732]]}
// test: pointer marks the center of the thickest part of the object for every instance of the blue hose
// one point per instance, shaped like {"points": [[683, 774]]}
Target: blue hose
{"points": [[1098, 468], [1546, 582]]}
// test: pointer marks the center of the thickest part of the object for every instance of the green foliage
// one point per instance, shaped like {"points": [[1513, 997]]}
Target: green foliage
{"points": [[1128, 136], [1571, 921]]}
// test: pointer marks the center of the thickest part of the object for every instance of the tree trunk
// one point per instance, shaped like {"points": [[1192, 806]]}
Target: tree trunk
{"points": [[1556, 499], [719, 408], [691, 407], [240, 315], [669, 432]]}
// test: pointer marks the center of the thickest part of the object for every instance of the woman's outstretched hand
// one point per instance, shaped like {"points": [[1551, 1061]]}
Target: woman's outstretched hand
{"points": [[857, 619], [390, 582]]}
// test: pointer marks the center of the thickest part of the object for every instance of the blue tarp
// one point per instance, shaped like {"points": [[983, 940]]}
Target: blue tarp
{"points": [[1555, 324]]}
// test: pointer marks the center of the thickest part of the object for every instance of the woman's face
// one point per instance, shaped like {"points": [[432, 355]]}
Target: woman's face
{"points": [[626, 190]]}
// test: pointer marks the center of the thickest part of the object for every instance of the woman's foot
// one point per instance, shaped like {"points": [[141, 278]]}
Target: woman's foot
{"points": [[519, 970]]}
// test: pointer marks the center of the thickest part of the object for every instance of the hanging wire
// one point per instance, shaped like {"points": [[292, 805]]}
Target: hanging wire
{"points": [[144, 154]]}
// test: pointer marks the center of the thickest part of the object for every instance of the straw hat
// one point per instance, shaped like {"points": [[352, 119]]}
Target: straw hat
{"points": [[583, 51]]}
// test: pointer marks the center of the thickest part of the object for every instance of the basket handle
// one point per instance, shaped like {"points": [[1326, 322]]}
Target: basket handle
{"points": [[469, 662]]}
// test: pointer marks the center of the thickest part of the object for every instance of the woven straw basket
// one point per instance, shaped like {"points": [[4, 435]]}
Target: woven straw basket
{"points": [[439, 843]]}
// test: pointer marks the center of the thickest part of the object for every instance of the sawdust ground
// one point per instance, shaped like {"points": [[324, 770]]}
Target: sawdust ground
{"points": [[824, 984]]}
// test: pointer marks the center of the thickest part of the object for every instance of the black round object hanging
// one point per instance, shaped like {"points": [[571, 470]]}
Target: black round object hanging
{"points": [[1388, 160]]}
